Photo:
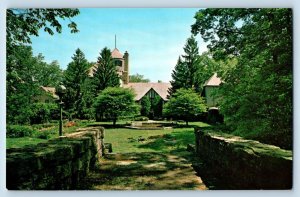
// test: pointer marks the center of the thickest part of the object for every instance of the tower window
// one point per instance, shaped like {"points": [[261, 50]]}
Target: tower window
{"points": [[118, 63]]}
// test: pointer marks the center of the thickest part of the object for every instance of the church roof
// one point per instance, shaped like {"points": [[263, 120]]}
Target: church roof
{"points": [[213, 81], [142, 88], [116, 54]]}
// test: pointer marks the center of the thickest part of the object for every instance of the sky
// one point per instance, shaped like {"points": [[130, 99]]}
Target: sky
{"points": [[153, 37]]}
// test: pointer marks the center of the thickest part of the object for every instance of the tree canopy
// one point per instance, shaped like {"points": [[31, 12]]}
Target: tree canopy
{"points": [[74, 79], [137, 78], [185, 104], [105, 75], [257, 93], [184, 74], [23, 23], [25, 73], [114, 102]]}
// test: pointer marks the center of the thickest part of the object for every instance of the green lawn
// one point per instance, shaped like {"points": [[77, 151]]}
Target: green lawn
{"points": [[22, 141], [126, 140], [130, 140]]}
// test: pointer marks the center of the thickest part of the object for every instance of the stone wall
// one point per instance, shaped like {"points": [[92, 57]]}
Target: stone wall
{"points": [[243, 164], [57, 164]]}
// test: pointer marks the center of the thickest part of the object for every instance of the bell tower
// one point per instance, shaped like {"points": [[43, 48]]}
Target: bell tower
{"points": [[126, 68]]}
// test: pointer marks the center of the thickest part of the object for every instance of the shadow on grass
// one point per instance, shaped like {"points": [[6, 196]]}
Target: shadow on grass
{"points": [[174, 140], [143, 171]]}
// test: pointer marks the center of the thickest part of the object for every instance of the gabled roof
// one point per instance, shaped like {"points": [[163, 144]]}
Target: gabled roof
{"points": [[213, 81], [142, 88], [116, 54], [50, 90]]}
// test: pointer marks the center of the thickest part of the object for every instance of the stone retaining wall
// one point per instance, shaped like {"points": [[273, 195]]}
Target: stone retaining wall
{"points": [[57, 164], [244, 164]]}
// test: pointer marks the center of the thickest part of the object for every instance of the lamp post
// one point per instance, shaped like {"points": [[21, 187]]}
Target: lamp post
{"points": [[60, 91]]}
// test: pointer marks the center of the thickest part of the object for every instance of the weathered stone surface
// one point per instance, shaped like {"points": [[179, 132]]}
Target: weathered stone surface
{"points": [[245, 164], [58, 164]]}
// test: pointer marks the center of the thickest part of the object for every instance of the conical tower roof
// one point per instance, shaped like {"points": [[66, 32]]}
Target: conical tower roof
{"points": [[116, 54]]}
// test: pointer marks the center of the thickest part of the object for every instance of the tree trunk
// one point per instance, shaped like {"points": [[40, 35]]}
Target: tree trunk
{"points": [[114, 122], [186, 123]]}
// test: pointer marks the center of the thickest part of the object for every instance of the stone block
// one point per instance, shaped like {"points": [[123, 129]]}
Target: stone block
{"points": [[58, 164], [245, 164]]}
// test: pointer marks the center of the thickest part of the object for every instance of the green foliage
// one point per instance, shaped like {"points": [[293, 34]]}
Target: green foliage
{"points": [[24, 72], [145, 106], [192, 69], [23, 23], [47, 134], [141, 118], [156, 106], [16, 131], [41, 112], [21, 87], [49, 75], [184, 74], [114, 102], [185, 104], [137, 78], [105, 75], [257, 93], [74, 80]]}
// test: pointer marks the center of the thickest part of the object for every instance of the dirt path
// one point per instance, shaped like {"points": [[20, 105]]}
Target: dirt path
{"points": [[144, 171]]}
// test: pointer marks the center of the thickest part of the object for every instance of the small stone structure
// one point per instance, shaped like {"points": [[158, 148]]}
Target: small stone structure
{"points": [[57, 164], [150, 125], [244, 164]]}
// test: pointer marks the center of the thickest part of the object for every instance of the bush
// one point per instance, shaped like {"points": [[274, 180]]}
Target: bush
{"points": [[45, 134], [141, 118], [41, 112], [14, 131]]}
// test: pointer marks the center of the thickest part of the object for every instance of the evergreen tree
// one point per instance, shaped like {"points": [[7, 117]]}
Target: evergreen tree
{"points": [[179, 76], [185, 73], [74, 79], [106, 73]]}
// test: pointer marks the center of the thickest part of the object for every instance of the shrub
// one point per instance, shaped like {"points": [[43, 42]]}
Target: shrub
{"points": [[141, 118], [45, 134], [41, 112], [14, 131]]}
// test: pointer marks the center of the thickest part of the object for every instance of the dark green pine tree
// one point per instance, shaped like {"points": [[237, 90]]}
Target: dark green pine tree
{"points": [[179, 76], [106, 73], [191, 59], [74, 79], [186, 69]]}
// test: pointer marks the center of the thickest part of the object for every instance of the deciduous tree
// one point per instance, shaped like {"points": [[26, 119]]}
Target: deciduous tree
{"points": [[185, 104], [257, 93], [137, 78], [114, 102]]}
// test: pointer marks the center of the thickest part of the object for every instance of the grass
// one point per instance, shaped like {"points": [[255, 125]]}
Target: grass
{"points": [[23, 141], [128, 140], [122, 139]]}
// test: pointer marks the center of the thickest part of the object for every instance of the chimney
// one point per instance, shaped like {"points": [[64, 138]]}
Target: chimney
{"points": [[126, 68]]}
